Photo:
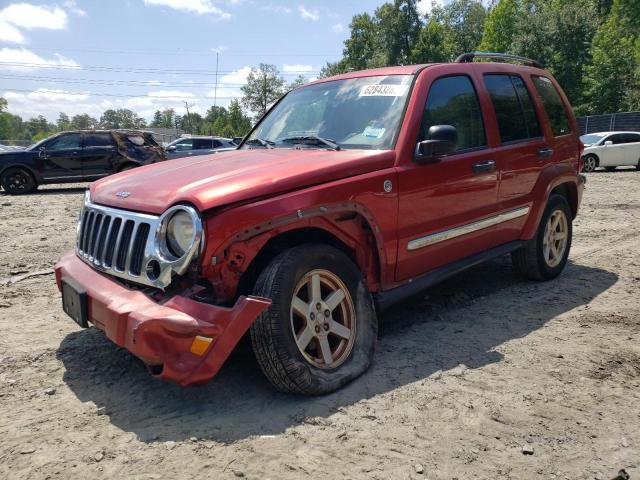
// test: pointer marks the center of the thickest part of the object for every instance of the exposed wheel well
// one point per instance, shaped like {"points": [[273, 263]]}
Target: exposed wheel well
{"points": [[285, 241], [127, 165], [568, 190]]}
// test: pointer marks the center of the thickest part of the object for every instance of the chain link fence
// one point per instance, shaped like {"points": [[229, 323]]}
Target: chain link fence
{"points": [[627, 121]]}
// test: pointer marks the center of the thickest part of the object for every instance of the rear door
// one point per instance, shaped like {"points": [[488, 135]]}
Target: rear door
{"points": [[628, 149], [202, 146], [521, 148], [62, 160], [441, 203], [98, 152]]}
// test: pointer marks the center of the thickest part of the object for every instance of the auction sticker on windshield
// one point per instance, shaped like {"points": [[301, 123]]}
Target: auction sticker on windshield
{"points": [[384, 90]]}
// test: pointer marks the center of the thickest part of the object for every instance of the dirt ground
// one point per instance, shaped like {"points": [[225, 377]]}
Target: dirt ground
{"points": [[464, 376]]}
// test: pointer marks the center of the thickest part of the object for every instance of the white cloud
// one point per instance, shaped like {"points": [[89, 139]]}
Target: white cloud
{"points": [[32, 61], [201, 7], [338, 28], [297, 68], [425, 6], [306, 14], [9, 33], [276, 8], [27, 16], [177, 94], [73, 8]]}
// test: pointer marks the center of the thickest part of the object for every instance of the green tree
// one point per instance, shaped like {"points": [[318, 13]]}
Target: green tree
{"points": [[264, 86], [63, 122], [336, 68], [464, 21], [121, 118], [362, 48], [83, 122], [297, 82], [398, 28], [433, 45], [500, 27], [613, 78], [239, 122]]}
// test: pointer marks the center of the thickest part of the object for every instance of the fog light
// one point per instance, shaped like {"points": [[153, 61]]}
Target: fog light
{"points": [[200, 345], [153, 270]]}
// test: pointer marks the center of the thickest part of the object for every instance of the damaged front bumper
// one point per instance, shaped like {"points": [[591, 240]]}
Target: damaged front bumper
{"points": [[188, 341]]}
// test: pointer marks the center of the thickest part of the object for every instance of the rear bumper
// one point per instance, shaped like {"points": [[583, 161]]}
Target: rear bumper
{"points": [[163, 334]]}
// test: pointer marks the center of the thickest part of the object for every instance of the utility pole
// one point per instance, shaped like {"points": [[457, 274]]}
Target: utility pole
{"points": [[186, 105], [215, 88]]}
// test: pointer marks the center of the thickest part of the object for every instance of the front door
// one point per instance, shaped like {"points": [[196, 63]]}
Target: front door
{"points": [[442, 203], [61, 157]]}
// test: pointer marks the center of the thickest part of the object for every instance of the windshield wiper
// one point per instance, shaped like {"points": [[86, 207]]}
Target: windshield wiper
{"points": [[261, 142], [311, 140]]}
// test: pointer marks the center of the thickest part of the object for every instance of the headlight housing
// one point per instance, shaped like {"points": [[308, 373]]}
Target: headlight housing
{"points": [[180, 233]]}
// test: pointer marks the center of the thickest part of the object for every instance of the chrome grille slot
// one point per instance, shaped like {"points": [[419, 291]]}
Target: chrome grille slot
{"points": [[122, 243]]}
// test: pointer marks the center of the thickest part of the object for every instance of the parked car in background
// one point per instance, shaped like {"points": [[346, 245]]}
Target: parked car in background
{"points": [[352, 193], [189, 146], [76, 156], [610, 150]]}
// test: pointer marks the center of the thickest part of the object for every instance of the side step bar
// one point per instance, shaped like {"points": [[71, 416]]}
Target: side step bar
{"points": [[385, 299]]}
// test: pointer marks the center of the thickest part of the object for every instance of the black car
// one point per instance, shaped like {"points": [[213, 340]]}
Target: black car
{"points": [[76, 156]]}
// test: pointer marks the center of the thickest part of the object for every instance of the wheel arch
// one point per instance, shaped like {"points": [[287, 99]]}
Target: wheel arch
{"points": [[570, 192], [239, 263], [36, 177], [595, 155]]}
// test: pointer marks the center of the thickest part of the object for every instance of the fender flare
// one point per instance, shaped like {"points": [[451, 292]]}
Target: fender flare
{"points": [[551, 178]]}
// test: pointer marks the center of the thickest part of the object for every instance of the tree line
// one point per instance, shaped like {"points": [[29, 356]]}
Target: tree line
{"points": [[264, 86], [592, 47]]}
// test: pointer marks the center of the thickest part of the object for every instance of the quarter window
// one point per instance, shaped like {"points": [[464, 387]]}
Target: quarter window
{"points": [[553, 105], [453, 101], [514, 109]]}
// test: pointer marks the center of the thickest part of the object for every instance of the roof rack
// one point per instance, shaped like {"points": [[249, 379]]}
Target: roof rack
{"points": [[468, 57]]}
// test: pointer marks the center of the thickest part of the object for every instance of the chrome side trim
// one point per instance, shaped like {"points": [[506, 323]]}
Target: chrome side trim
{"points": [[466, 229]]}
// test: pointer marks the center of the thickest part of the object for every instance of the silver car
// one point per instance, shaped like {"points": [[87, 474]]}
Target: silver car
{"points": [[198, 145]]}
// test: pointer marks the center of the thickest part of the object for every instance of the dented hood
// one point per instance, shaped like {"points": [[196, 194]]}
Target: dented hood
{"points": [[210, 181]]}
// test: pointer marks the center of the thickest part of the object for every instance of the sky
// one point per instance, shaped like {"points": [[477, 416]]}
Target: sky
{"points": [[86, 56]]}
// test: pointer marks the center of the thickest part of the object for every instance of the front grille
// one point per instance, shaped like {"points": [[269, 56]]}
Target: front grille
{"points": [[129, 245], [113, 240]]}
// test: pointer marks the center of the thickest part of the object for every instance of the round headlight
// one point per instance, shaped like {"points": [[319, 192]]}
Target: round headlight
{"points": [[180, 233]]}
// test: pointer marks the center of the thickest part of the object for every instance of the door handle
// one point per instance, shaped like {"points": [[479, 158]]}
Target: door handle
{"points": [[486, 166], [545, 152]]}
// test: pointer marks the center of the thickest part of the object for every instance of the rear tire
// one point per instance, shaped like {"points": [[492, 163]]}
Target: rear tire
{"points": [[321, 329], [545, 255], [590, 163], [18, 181]]}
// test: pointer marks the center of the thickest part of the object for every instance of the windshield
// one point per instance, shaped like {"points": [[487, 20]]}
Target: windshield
{"points": [[591, 138], [357, 113]]}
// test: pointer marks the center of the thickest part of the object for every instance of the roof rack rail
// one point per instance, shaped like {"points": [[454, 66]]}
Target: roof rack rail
{"points": [[468, 57]]}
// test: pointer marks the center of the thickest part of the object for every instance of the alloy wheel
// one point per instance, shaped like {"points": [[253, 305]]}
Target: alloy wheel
{"points": [[323, 319], [555, 237]]}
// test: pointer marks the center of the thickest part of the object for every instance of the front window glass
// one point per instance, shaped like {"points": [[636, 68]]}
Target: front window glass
{"points": [[591, 139], [453, 101], [65, 142], [356, 113], [183, 145]]}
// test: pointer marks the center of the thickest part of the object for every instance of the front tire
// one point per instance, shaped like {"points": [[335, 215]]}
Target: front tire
{"points": [[545, 255], [18, 181], [321, 329], [590, 163]]}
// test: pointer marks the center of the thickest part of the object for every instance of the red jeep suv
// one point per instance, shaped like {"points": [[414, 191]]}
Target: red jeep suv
{"points": [[352, 193]]}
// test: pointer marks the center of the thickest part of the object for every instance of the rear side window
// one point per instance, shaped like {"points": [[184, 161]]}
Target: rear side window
{"points": [[201, 144], [98, 140], [512, 103], [453, 101], [553, 105]]}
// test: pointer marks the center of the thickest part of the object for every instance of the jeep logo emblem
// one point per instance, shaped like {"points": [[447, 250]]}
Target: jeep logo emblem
{"points": [[122, 194]]}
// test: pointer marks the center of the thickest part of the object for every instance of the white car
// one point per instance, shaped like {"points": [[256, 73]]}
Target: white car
{"points": [[610, 150]]}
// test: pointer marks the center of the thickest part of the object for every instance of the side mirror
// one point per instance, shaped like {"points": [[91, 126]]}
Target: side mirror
{"points": [[607, 143], [441, 140], [171, 148], [42, 151]]}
